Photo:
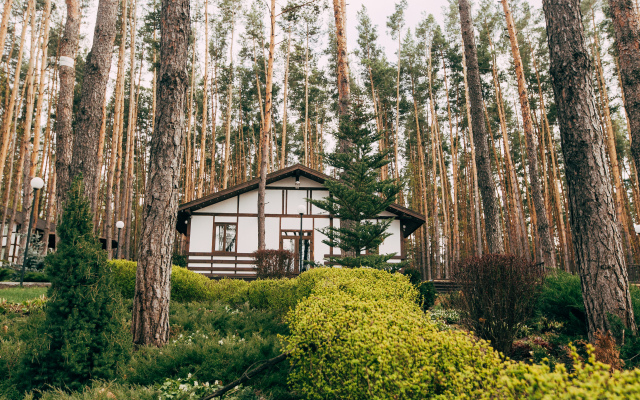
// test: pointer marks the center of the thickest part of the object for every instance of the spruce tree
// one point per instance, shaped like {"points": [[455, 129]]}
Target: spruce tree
{"points": [[84, 333], [360, 195]]}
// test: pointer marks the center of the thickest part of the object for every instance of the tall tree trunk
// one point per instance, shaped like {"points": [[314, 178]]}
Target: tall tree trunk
{"points": [[94, 88], [227, 143], [626, 25], [476, 195], [67, 74], [344, 91], [306, 99], [597, 241], [485, 179], [9, 111], [283, 155], [150, 323], [262, 185], [546, 250], [205, 97], [6, 13], [116, 136]]}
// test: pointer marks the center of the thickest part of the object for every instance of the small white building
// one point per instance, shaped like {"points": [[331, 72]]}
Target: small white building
{"points": [[222, 228]]}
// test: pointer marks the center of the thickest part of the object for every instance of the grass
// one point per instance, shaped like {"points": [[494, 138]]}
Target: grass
{"points": [[18, 295]]}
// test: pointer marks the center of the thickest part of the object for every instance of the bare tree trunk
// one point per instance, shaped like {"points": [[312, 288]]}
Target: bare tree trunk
{"points": [[283, 156], [485, 180], [6, 13], [546, 250], [116, 136], [67, 73], [205, 97], [94, 88], [262, 186], [476, 195], [227, 143], [597, 242], [9, 112], [306, 100], [626, 25], [150, 323], [344, 91]]}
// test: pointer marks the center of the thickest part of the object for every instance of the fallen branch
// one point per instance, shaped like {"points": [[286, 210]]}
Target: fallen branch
{"points": [[248, 374]]}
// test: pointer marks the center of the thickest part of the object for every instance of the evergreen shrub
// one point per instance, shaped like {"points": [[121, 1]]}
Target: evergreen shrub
{"points": [[350, 341], [499, 293], [427, 295], [274, 263], [561, 300], [84, 335]]}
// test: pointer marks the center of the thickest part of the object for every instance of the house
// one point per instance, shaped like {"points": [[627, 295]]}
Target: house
{"points": [[221, 228]]}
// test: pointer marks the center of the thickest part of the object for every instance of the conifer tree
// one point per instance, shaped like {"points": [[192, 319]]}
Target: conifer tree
{"points": [[360, 196], [84, 334]]}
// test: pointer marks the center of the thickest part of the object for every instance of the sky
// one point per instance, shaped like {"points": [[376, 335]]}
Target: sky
{"points": [[379, 11]]}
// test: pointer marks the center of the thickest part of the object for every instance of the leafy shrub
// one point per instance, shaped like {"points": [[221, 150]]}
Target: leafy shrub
{"points": [[415, 276], [179, 260], [427, 295], [561, 300], [84, 335], [6, 274], [185, 285], [270, 294], [34, 276], [274, 263], [374, 342], [498, 294]]}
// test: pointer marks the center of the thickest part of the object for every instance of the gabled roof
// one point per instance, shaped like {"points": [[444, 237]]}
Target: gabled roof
{"points": [[410, 219]]}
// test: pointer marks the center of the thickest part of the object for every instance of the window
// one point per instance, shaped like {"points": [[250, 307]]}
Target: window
{"points": [[225, 239], [290, 240]]}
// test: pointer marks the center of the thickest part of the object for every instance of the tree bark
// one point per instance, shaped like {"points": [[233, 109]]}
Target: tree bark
{"points": [[596, 238], [344, 91], [262, 185], [94, 88], [227, 143], [546, 249], [6, 13], [485, 179], [283, 155], [150, 323], [67, 74], [626, 25]]}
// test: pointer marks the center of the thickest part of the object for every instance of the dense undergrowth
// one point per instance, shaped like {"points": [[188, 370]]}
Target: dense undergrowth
{"points": [[353, 334]]}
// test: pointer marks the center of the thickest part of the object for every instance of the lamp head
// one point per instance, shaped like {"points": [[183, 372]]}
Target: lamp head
{"points": [[636, 228], [297, 183], [37, 183], [119, 224], [302, 208]]}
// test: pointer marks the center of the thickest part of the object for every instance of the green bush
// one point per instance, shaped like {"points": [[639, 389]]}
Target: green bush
{"points": [[561, 300], [6, 274], [427, 295], [34, 276], [350, 347], [84, 335]]}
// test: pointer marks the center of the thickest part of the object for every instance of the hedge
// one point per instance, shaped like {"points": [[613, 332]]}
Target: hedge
{"points": [[359, 334]]}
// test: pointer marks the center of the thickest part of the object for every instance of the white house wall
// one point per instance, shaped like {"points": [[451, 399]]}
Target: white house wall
{"points": [[282, 213]]}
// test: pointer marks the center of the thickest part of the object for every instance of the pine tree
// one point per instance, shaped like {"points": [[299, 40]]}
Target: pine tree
{"points": [[84, 334], [360, 196]]}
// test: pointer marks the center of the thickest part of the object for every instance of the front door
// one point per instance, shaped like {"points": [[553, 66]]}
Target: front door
{"points": [[290, 240]]}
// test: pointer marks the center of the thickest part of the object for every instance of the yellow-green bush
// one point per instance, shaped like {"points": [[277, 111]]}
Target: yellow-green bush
{"points": [[360, 334], [361, 282]]}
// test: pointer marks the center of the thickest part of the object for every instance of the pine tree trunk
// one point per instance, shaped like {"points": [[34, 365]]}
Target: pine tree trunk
{"points": [[8, 114], [306, 99], [476, 195], [205, 97], [116, 137], [546, 250], [227, 142], [67, 74], [626, 25], [94, 87], [150, 323], [344, 91], [485, 179], [597, 241], [262, 186], [6, 13], [283, 155]]}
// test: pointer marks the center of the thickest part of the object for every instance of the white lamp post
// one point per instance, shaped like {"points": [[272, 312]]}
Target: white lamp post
{"points": [[301, 210], [36, 184], [636, 228], [119, 225]]}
